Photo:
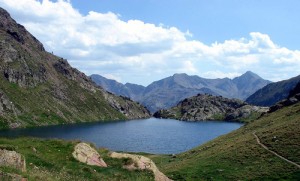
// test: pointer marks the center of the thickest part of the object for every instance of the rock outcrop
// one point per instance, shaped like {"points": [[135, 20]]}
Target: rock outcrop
{"points": [[207, 107], [12, 159], [142, 163], [86, 154]]}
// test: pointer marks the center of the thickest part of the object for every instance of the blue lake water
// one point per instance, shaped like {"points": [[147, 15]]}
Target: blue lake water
{"points": [[159, 136]]}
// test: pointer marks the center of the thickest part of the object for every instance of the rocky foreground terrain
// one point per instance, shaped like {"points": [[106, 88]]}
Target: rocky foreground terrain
{"points": [[207, 107], [39, 88]]}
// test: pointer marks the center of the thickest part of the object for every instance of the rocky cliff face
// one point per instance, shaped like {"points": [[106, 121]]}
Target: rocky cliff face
{"points": [[39, 88], [208, 107]]}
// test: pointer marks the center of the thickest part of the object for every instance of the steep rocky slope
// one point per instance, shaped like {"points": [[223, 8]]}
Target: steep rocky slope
{"points": [[208, 107], [274, 92], [38, 88], [168, 92]]}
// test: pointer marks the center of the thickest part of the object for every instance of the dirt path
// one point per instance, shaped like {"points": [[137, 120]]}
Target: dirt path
{"points": [[142, 163], [274, 153]]}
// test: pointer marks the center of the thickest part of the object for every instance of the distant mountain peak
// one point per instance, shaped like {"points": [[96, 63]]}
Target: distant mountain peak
{"points": [[180, 75], [252, 74]]}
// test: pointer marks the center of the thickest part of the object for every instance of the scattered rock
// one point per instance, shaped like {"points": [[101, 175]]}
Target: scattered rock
{"points": [[86, 154], [34, 149]]}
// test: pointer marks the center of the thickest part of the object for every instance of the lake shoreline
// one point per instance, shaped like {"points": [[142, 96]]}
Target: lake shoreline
{"points": [[153, 136]]}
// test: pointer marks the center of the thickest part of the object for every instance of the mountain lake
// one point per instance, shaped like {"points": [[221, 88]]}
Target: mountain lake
{"points": [[157, 136]]}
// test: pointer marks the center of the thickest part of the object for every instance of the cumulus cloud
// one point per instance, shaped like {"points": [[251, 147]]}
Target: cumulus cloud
{"points": [[140, 52]]}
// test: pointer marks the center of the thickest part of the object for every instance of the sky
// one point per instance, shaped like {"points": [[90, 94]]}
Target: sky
{"points": [[141, 41]]}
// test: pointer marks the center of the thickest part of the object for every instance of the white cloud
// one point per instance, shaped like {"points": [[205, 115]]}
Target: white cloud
{"points": [[142, 52]]}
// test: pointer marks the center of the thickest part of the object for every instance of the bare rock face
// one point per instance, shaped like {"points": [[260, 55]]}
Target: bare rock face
{"points": [[5, 103], [12, 159], [86, 154]]}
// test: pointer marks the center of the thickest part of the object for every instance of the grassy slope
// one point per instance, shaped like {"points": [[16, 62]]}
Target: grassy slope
{"points": [[237, 156], [53, 161], [39, 107]]}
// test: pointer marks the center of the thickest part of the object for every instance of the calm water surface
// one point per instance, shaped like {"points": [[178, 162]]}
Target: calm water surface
{"points": [[160, 136]]}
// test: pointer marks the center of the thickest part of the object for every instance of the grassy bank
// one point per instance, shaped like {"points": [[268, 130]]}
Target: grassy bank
{"points": [[52, 160], [238, 156]]}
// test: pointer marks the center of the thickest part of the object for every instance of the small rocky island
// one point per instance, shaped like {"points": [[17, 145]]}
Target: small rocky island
{"points": [[207, 107]]}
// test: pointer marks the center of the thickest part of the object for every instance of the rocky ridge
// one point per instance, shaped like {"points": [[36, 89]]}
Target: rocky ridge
{"points": [[39, 88], [207, 107]]}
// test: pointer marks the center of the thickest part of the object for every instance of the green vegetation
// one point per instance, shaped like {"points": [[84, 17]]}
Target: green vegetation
{"points": [[238, 156], [219, 116], [252, 117], [38, 106], [53, 160]]}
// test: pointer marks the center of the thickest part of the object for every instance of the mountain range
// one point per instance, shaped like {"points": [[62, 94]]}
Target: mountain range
{"points": [[167, 92], [39, 88], [273, 92]]}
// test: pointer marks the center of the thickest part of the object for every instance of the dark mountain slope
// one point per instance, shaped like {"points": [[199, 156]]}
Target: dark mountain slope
{"points": [[38, 88], [274, 92]]}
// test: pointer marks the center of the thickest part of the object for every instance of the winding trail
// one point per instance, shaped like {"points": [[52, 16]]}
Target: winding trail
{"points": [[274, 153], [142, 163]]}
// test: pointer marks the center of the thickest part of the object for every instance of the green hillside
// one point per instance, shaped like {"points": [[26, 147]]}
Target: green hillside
{"points": [[238, 156]]}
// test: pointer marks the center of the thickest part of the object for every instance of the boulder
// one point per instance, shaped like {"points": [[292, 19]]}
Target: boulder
{"points": [[86, 154], [12, 159]]}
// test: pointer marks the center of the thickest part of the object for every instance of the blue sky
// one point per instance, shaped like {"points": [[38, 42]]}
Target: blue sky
{"points": [[211, 20], [142, 41]]}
